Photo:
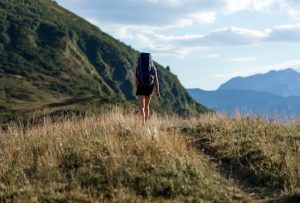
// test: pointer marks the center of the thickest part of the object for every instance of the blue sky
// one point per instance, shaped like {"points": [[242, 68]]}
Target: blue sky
{"points": [[205, 42]]}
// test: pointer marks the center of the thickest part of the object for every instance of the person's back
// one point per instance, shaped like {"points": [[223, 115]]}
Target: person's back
{"points": [[146, 74], [145, 70]]}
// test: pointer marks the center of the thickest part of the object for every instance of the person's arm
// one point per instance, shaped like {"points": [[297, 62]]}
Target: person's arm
{"points": [[157, 84]]}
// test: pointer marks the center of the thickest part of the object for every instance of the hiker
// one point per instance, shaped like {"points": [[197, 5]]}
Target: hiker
{"points": [[146, 76]]}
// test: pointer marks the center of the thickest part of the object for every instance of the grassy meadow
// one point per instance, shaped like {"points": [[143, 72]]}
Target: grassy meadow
{"points": [[112, 157]]}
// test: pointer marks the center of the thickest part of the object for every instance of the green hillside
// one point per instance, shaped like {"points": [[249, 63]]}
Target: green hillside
{"points": [[51, 56]]}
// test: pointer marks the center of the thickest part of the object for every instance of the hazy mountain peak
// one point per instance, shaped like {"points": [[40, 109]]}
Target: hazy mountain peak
{"points": [[282, 82]]}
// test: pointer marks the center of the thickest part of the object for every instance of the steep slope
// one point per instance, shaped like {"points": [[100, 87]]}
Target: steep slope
{"points": [[283, 83], [50, 55], [248, 102]]}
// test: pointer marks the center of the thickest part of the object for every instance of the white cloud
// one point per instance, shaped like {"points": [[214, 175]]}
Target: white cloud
{"points": [[120, 32], [288, 27], [288, 7], [242, 59], [252, 5], [146, 39], [172, 13], [291, 7], [203, 17], [127, 18], [210, 56], [149, 38], [155, 13], [233, 36], [168, 2], [287, 33], [177, 38]]}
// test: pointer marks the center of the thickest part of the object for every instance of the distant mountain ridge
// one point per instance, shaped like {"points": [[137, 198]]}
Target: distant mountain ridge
{"points": [[248, 102], [276, 93], [283, 83]]}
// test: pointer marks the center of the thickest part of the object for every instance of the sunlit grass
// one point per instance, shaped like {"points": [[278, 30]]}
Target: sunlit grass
{"points": [[263, 155], [113, 157], [108, 157]]}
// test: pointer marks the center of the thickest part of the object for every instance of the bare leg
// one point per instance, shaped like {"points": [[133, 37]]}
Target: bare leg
{"points": [[142, 107], [147, 107]]}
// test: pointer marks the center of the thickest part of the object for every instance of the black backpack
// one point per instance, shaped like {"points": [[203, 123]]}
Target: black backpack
{"points": [[145, 71]]}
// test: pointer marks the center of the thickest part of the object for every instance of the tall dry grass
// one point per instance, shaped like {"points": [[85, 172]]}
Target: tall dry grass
{"points": [[109, 157], [258, 154]]}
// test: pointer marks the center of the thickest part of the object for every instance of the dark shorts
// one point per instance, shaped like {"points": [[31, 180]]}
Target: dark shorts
{"points": [[144, 90]]}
